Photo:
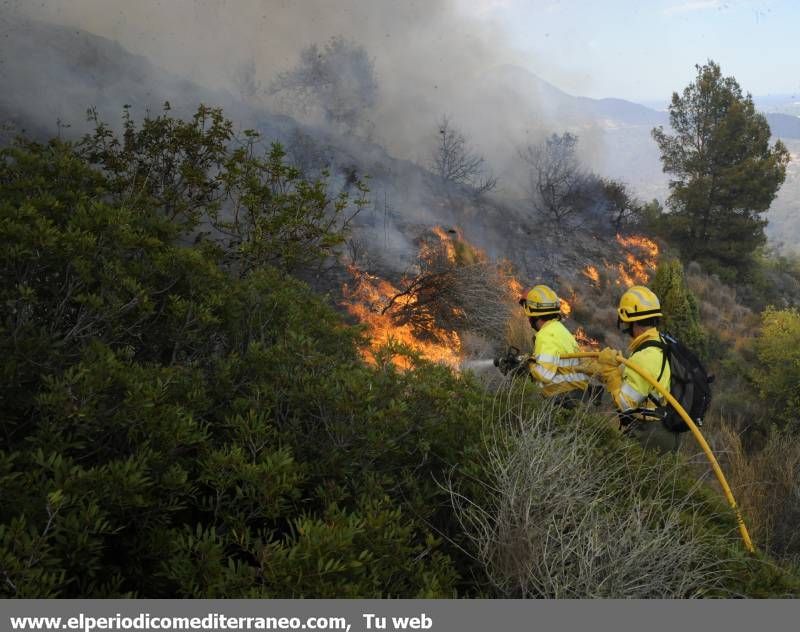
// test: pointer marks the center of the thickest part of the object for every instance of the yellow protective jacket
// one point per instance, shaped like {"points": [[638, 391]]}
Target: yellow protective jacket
{"points": [[634, 391], [555, 375]]}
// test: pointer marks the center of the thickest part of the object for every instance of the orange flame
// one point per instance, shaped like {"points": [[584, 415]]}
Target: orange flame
{"points": [[457, 248], [368, 297], [515, 287], [447, 242], [584, 340], [566, 308], [637, 271], [593, 275]]}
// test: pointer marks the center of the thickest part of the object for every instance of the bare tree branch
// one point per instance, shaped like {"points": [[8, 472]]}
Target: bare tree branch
{"points": [[557, 183], [455, 163], [338, 79]]}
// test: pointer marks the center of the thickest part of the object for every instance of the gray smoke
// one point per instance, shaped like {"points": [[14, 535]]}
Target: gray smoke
{"points": [[430, 59]]}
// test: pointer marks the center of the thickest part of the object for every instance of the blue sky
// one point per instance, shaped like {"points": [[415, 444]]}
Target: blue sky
{"points": [[645, 50]]}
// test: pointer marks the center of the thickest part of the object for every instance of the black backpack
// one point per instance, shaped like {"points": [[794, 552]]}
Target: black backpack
{"points": [[690, 383]]}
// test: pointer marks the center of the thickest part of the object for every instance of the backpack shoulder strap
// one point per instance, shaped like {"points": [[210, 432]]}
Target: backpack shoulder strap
{"points": [[650, 343], [660, 344]]}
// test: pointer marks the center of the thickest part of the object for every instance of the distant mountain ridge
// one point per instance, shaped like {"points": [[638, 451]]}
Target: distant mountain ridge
{"points": [[585, 109], [570, 108]]}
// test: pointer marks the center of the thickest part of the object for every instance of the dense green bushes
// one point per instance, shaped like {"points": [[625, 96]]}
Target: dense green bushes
{"points": [[183, 419], [170, 429], [777, 374], [277, 465]]}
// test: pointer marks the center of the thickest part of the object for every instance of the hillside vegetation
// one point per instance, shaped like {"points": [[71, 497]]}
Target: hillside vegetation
{"points": [[178, 423], [184, 418]]}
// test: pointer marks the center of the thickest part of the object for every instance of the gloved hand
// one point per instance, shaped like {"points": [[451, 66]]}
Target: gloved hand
{"points": [[608, 357], [595, 366]]}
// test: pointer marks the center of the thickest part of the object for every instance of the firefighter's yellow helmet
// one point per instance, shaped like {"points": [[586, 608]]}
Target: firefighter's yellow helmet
{"points": [[638, 303], [541, 301]]}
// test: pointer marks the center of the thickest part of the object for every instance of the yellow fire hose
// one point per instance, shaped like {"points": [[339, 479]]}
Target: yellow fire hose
{"points": [[695, 431]]}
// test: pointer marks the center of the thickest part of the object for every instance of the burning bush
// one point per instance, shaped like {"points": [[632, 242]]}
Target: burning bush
{"points": [[455, 290]]}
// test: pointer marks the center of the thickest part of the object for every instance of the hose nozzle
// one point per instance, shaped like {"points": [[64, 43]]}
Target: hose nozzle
{"points": [[510, 361]]}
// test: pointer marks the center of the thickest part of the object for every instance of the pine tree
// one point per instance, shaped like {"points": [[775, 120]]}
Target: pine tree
{"points": [[724, 172]]}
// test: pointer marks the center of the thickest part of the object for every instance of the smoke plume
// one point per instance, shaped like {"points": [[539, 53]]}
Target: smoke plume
{"points": [[431, 59]]}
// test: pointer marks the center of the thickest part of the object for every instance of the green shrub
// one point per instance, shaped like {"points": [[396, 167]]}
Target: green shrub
{"points": [[777, 372], [171, 429], [680, 306]]}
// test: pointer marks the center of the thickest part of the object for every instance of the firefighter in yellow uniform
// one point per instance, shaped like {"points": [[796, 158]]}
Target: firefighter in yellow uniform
{"points": [[639, 313], [560, 378]]}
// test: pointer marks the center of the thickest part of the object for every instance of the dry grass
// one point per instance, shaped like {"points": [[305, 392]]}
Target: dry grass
{"points": [[719, 309], [518, 331], [766, 484], [732, 328], [568, 518]]}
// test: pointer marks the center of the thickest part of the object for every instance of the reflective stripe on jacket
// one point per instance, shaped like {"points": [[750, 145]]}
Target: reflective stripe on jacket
{"points": [[554, 374], [635, 391]]}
